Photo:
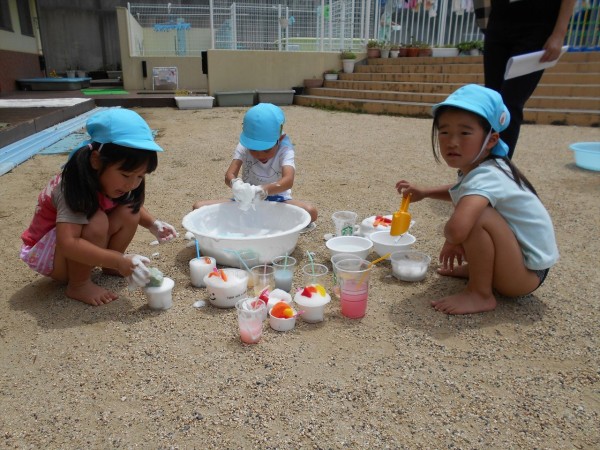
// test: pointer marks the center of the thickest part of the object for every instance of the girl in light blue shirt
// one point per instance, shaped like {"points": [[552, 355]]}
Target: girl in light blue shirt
{"points": [[500, 236]]}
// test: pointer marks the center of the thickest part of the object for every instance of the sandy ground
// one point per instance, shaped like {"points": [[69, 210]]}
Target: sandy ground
{"points": [[523, 376]]}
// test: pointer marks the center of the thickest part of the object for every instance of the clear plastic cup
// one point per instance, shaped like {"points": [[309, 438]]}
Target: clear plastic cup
{"points": [[353, 279], [251, 314], [334, 260], [263, 276], [284, 272], [314, 274]]}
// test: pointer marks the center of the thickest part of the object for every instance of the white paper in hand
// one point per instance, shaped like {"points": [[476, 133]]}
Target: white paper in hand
{"points": [[529, 62]]}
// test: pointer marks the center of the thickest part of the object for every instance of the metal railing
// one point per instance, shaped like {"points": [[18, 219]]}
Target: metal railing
{"points": [[328, 25]]}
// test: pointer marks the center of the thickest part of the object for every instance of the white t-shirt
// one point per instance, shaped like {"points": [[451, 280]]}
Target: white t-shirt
{"points": [[522, 209], [257, 173]]}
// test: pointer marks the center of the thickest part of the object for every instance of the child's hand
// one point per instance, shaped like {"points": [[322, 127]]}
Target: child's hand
{"points": [[237, 184], [404, 188], [163, 231], [259, 193], [242, 192], [449, 253], [136, 272]]}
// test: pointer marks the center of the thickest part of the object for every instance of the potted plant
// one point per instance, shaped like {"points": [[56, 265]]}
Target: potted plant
{"points": [[348, 60], [373, 50], [424, 49], [470, 47], [385, 49], [70, 71], [394, 51], [330, 75], [412, 50], [402, 50]]}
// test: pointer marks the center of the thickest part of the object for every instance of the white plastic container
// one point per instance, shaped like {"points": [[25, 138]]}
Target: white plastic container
{"points": [[384, 242], [161, 297], [282, 324], [225, 294], [271, 230], [195, 102], [313, 307], [355, 245]]}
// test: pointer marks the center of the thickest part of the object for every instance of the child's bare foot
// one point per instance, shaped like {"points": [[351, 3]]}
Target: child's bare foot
{"points": [[90, 293], [461, 271], [466, 302]]}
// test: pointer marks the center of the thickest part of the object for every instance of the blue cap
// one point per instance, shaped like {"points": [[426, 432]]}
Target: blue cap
{"points": [[262, 127], [484, 102], [122, 127]]}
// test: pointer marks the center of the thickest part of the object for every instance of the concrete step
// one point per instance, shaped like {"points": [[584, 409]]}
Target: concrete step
{"points": [[475, 77], [420, 109], [568, 93], [549, 90], [544, 102], [566, 67]]}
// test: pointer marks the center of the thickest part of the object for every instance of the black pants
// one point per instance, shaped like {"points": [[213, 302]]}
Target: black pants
{"points": [[499, 47]]}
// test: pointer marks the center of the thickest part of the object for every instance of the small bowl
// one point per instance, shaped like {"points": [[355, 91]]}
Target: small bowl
{"points": [[410, 265], [354, 245], [225, 294], [384, 242], [280, 324], [587, 155]]}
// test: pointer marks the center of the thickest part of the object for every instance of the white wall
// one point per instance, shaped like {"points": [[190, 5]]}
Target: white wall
{"points": [[14, 41]]}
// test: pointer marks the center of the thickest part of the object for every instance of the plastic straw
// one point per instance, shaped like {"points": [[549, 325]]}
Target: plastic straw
{"points": [[197, 249], [312, 263], [364, 275], [285, 260], [239, 257]]}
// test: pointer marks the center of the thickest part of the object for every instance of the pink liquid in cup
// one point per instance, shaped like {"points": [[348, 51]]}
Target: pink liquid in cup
{"points": [[354, 301], [250, 333]]}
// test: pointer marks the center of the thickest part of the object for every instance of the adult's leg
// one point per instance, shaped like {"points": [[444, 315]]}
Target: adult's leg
{"points": [[495, 262], [499, 48]]}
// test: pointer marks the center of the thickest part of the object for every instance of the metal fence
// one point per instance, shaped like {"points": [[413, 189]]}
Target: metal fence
{"points": [[319, 25]]}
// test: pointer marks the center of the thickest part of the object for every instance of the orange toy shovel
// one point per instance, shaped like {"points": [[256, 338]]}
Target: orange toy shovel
{"points": [[401, 218]]}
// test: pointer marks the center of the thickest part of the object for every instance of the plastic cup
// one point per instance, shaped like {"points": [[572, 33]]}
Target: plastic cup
{"points": [[353, 279], [263, 276], [199, 268], [314, 274], [251, 314], [161, 297], [248, 259], [344, 222], [334, 260], [284, 272]]}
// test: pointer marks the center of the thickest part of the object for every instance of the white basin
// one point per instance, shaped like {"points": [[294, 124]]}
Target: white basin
{"points": [[271, 230]]}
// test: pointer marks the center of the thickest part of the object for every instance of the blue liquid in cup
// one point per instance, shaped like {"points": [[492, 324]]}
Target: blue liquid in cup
{"points": [[283, 280]]}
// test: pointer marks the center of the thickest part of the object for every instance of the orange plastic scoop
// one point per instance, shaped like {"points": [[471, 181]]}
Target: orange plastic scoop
{"points": [[401, 218]]}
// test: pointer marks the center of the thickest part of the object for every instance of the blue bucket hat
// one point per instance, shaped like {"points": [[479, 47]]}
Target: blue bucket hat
{"points": [[484, 102], [122, 127], [262, 127]]}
